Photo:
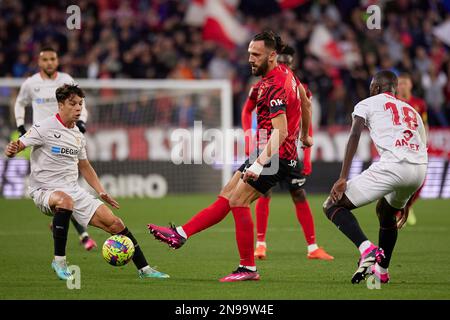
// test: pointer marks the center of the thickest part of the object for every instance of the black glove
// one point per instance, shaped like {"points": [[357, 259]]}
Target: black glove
{"points": [[82, 126], [21, 130]]}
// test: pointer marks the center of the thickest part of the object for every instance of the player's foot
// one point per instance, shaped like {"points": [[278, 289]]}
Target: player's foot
{"points": [[412, 220], [383, 277], [61, 270], [241, 274], [320, 254], [152, 273], [260, 252], [167, 235], [88, 243], [367, 260]]}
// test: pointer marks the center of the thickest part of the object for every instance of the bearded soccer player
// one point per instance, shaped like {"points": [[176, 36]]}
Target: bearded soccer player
{"points": [[295, 182], [59, 153], [405, 86], [39, 91], [400, 138], [279, 115]]}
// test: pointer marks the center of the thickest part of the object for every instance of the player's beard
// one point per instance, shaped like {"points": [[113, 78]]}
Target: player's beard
{"points": [[262, 69], [50, 73]]}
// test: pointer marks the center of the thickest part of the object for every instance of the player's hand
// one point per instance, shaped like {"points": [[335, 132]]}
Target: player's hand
{"points": [[106, 197], [253, 172], [402, 218], [21, 130], [82, 126], [307, 142], [12, 149], [338, 190]]}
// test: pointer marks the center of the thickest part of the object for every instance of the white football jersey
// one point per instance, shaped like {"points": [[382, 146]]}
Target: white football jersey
{"points": [[56, 151], [395, 128], [41, 94]]}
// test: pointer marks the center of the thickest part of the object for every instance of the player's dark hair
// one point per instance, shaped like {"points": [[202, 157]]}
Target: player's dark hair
{"points": [[48, 49], [271, 40], [386, 79], [288, 50], [68, 90]]}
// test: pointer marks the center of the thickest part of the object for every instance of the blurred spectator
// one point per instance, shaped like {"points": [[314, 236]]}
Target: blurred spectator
{"points": [[151, 40], [433, 83]]}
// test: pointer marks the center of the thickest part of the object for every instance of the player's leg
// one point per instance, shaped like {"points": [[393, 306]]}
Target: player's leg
{"points": [[387, 237], [241, 198], [104, 219], [341, 215], [61, 204], [85, 239], [412, 219], [262, 218], [211, 215], [305, 218]]}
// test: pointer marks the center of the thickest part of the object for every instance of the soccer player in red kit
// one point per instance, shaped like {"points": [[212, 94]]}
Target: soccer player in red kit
{"points": [[279, 114], [295, 183], [405, 86]]}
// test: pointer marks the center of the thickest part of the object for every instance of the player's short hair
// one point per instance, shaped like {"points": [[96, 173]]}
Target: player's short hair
{"points": [[68, 90], [271, 40], [48, 49], [386, 77]]}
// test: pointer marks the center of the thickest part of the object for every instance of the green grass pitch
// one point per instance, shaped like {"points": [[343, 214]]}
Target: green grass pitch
{"points": [[419, 269]]}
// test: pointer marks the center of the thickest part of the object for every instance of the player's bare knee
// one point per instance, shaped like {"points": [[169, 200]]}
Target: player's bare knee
{"points": [[116, 226], [298, 195], [63, 201]]}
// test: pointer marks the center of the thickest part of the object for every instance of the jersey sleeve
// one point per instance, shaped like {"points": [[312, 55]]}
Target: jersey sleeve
{"points": [[362, 110], [276, 100], [23, 99], [33, 137], [83, 154]]}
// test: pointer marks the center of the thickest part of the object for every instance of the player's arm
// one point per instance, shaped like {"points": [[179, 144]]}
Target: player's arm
{"points": [[307, 165], [23, 99], [246, 118], [279, 134], [352, 145], [305, 137], [13, 148], [92, 179]]}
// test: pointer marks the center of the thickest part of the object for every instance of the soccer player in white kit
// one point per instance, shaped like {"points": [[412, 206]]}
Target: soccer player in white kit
{"points": [[39, 91], [59, 153], [399, 135]]}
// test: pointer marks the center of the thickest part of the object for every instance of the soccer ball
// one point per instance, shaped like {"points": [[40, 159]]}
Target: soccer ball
{"points": [[118, 250]]}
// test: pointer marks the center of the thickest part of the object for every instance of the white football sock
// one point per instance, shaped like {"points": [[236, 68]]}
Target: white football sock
{"points": [[147, 267], [312, 247], [364, 246], [181, 232], [60, 258], [261, 243], [247, 267]]}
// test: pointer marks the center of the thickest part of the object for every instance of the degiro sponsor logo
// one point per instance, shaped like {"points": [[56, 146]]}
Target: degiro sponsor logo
{"points": [[60, 150]]}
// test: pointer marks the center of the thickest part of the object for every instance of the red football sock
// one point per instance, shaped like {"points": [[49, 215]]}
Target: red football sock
{"points": [[244, 235], [262, 217], [207, 217], [304, 216]]}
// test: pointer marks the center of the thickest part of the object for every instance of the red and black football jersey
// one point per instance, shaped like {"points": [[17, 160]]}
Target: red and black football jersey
{"points": [[277, 94]]}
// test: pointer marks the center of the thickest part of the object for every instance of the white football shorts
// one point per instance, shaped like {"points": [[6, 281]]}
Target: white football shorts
{"points": [[85, 204], [396, 181]]}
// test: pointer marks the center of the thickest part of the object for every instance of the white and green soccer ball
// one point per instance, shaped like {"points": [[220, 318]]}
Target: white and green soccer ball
{"points": [[118, 250]]}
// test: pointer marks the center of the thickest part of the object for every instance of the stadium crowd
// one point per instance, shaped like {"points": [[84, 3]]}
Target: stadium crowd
{"points": [[151, 39]]}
